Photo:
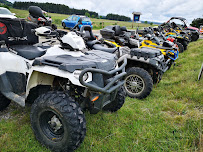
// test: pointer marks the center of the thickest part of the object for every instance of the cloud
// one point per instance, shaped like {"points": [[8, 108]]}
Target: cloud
{"points": [[152, 10]]}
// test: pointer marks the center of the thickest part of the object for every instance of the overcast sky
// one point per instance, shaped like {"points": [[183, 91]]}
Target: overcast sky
{"points": [[152, 10]]}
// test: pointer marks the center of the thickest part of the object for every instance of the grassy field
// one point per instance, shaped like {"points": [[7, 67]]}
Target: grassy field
{"points": [[97, 23], [170, 119]]}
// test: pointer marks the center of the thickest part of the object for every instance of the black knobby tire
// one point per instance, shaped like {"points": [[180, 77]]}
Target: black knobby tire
{"points": [[4, 102], [64, 25], [180, 47], [118, 102], [56, 109], [184, 43], [138, 83], [195, 37]]}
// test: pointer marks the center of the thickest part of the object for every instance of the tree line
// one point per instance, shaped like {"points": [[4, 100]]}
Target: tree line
{"points": [[64, 9], [117, 17], [197, 22], [54, 8]]}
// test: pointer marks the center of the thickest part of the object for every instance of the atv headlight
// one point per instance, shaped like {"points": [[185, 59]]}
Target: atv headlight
{"points": [[86, 76], [157, 63]]}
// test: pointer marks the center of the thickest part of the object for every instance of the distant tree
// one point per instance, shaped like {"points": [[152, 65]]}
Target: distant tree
{"points": [[5, 6], [117, 17], [87, 14], [54, 8], [5, 2], [151, 23], [92, 16], [145, 22], [197, 22]]}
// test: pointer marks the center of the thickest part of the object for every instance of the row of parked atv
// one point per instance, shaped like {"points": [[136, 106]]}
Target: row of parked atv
{"points": [[62, 80]]}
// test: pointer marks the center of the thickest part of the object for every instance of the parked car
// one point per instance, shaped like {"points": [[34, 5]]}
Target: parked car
{"points": [[72, 20], [5, 13]]}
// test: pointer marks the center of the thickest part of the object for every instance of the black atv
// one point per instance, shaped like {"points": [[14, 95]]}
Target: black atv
{"points": [[145, 65]]}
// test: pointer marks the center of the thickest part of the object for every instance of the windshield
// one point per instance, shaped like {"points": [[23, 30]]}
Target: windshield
{"points": [[86, 19], [5, 11]]}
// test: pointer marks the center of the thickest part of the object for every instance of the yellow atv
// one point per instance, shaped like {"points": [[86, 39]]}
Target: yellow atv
{"points": [[169, 32], [168, 49]]}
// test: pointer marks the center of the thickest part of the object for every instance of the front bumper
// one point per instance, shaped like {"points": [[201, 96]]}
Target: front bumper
{"points": [[113, 83]]}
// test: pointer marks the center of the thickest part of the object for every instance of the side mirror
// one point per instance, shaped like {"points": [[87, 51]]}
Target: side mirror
{"points": [[14, 14], [36, 11]]}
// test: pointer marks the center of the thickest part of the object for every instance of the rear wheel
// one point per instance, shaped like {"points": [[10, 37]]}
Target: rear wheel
{"points": [[138, 83], [64, 25], [118, 102], [4, 102], [58, 122], [195, 37]]}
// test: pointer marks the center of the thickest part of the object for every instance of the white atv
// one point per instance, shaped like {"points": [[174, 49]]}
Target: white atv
{"points": [[62, 81]]}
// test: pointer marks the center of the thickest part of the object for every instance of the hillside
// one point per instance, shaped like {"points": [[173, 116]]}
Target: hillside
{"points": [[97, 23], [6, 2]]}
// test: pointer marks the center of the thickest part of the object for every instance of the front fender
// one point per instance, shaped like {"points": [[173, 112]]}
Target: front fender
{"points": [[44, 75]]}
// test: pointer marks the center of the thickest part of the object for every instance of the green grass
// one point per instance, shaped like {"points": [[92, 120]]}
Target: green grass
{"points": [[170, 119], [97, 23]]}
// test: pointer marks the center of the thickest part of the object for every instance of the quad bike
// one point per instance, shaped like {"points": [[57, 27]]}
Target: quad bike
{"points": [[169, 48], [169, 34], [132, 40], [62, 81], [184, 27], [183, 37], [144, 67], [40, 21]]}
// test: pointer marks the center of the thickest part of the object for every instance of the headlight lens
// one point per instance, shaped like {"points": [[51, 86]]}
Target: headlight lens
{"points": [[85, 77], [77, 74]]}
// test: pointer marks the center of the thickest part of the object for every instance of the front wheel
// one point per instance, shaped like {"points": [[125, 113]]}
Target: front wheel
{"points": [[64, 25], [58, 122], [118, 102], [138, 83]]}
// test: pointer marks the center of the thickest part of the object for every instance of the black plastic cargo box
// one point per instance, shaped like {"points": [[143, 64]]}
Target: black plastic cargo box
{"points": [[145, 52], [107, 32], [17, 31]]}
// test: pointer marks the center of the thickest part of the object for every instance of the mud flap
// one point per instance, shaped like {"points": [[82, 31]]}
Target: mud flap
{"points": [[12, 86]]}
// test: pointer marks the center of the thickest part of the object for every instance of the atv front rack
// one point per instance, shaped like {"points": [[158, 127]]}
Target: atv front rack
{"points": [[112, 85]]}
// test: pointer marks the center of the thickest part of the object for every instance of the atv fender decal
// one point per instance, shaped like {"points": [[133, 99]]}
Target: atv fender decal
{"points": [[3, 28]]}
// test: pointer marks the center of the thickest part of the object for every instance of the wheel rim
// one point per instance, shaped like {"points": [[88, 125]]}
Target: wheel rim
{"points": [[134, 84], [52, 125]]}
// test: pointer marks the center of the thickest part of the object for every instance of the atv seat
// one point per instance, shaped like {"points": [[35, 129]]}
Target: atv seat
{"points": [[28, 51], [92, 42], [88, 32], [102, 48]]}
